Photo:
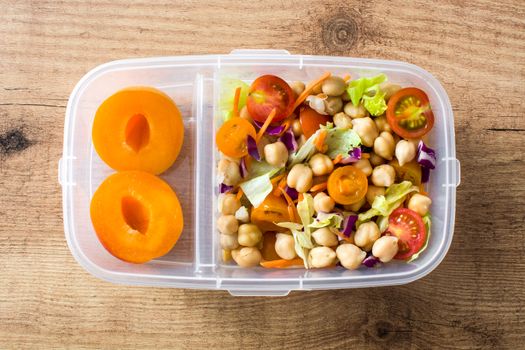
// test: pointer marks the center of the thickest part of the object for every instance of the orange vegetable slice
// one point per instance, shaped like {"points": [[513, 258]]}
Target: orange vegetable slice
{"points": [[232, 137], [347, 185]]}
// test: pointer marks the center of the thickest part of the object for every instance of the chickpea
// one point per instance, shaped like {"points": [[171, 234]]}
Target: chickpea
{"points": [[383, 175], [389, 89], [325, 237], [242, 214], [373, 192], [376, 160], [323, 203], [249, 235], [276, 154], [227, 224], [355, 206], [350, 256], [385, 248], [367, 233], [364, 166], [355, 112], [297, 87], [300, 178], [420, 204], [382, 124], [285, 246], [317, 103], [229, 172], [297, 128], [333, 105], [405, 151], [247, 256], [245, 114], [228, 204], [226, 255], [366, 129], [229, 242], [384, 145], [334, 86], [321, 164], [321, 257], [341, 120]]}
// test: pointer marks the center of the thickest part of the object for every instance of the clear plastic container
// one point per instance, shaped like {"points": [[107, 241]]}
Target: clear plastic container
{"points": [[193, 83]]}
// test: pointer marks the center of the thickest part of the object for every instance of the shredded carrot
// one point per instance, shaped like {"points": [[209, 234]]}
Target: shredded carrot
{"points": [[276, 179], [365, 155], [236, 102], [300, 197], [319, 141], [308, 90], [287, 123], [319, 187], [422, 190], [346, 77], [282, 263], [265, 125], [281, 185], [291, 205], [338, 159], [239, 194], [248, 161]]}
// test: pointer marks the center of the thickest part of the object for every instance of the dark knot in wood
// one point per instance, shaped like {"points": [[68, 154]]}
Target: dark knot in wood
{"points": [[340, 32], [13, 141]]}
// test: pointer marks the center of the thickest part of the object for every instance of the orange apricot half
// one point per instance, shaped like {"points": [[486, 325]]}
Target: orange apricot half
{"points": [[136, 215], [138, 128]]}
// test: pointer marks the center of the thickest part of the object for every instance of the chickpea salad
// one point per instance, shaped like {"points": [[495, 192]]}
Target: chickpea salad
{"points": [[324, 175]]}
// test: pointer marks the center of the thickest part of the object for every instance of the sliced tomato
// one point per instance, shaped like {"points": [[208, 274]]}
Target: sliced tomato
{"points": [[409, 228], [347, 185], [409, 113], [232, 137], [272, 209], [266, 93], [311, 121]]}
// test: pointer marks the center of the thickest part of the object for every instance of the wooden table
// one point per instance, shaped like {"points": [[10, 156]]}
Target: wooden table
{"points": [[474, 299]]}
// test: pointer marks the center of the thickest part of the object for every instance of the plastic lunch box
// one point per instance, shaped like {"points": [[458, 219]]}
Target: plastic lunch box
{"points": [[193, 83]]}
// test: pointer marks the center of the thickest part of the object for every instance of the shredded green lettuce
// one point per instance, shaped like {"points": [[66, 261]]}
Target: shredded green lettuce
{"points": [[341, 141], [258, 188], [358, 89], [305, 152], [305, 209], [427, 219], [385, 205], [327, 220], [227, 95], [382, 223], [289, 225], [261, 168], [302, 240]]}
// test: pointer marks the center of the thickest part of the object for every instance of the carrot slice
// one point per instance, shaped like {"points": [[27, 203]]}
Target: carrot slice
{"points": [[319, 187], [291, 206], [282, 263], [266, 124], [236, 102], [239, 194], [281, 185], [338, 159], [319, 141], [308, 90]]}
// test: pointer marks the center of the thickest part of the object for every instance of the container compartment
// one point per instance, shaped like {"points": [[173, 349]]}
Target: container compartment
{"points": [[193, 82]]}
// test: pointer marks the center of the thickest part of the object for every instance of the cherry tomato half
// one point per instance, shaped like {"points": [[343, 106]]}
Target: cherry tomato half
{"points": [[409, 113], [266, 93], [272, 209], [311, 121], [347, 185], [409, 228], [232, 137], [410, 171]]}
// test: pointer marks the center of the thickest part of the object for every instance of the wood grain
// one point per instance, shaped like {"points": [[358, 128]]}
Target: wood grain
{"points": [[474, 299]]}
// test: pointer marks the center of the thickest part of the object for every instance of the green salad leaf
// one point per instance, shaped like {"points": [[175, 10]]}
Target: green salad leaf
{"points": [[302, 240], [305, 152], [258, 188], [305, 209], [385, 205], [427, 219], [327, 220], [341, 141], [227, 95], [289, 225], [258, 168], [367, 89], [376, 104]]}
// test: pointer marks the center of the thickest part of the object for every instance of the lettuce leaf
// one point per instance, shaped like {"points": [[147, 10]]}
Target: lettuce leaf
{"points": [[357, 88], [427, 219], [341, 141], [302, 242], [376, 104], [227, 95], [289, 225], [305, 209], [385, 205], [261, 168], [327, 220], [305, 152], [258, 188]]}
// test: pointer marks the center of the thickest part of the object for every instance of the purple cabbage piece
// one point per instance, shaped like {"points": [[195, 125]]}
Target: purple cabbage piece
{"points": [[426, 156], [252, 148], [289, 141], [371, 261], [425, 174], [271, 130], [225, 188], [242, 168], [258, 124], [353, 156], [349, 225], [292, 193]]}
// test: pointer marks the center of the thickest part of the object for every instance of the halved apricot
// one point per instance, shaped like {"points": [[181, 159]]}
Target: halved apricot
{"points": [[138, 128], [136, 215]]}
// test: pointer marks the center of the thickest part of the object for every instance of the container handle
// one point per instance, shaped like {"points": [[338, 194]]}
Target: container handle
{"points": [[458, 172], [259, 293], [269, 52]]}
